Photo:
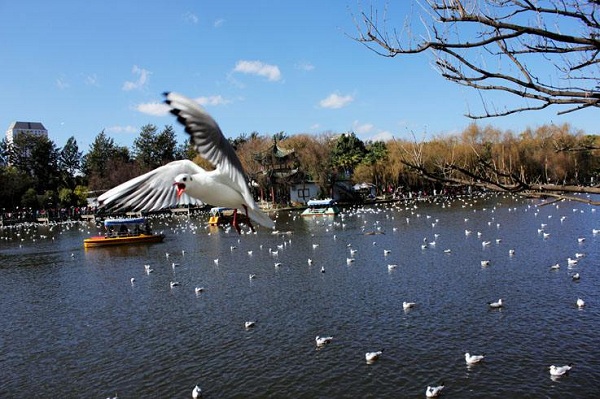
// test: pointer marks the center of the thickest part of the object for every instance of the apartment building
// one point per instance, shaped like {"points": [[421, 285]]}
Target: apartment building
{"points": [[17, 128]]}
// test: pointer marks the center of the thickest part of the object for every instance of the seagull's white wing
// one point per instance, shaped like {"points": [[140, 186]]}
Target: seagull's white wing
{"points": [[151, 191], [212, 145], [207, 137]]}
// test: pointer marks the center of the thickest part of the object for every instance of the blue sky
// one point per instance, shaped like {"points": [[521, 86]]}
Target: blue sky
{"points": [[81, 67]]}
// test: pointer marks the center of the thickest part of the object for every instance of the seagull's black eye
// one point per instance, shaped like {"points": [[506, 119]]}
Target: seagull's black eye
{"points": [[184, 179]]}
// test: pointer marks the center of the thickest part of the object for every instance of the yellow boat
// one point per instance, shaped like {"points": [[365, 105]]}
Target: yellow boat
{"points": [[220, 215], [124, 232]]}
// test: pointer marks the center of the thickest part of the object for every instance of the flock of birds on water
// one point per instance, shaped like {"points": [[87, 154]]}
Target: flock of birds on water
{"points": [[471, 360], [431, 391], [185, 183]]}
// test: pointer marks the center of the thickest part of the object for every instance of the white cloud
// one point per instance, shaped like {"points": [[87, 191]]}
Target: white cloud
{"points": [[122, 129], [382, 136], [91, 80], [212, 100], [271, 72], [143, 77], [336, 101], [154, 109], [305, 66], [362, 128], [162, 109], [218, 23], [190, 17], [62, 83]]}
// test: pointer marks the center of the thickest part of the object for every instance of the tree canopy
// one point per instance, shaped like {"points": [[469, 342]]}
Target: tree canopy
{"points": [[69, 161], [550, 160], [152, 149], [37, 157], [348, 152]]}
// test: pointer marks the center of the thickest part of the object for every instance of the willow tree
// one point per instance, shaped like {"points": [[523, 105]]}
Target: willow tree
{"points": [[543, 52], [314, 155]]}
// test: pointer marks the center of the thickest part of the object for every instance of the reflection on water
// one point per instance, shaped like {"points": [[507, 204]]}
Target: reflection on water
{"points": [[75, 324]]}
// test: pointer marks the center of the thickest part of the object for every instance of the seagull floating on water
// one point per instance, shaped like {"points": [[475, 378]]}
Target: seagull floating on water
{"points": [[473, 359], [372, 356], [496, 305], [249, 324], [434, 392], [408, 305], [559, 371], [196, 392], [580, 303], [225, 186], [321, 341]]}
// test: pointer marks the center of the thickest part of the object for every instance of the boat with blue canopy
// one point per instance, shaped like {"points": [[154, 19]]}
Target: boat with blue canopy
{"points": [[324, 207], [124, 231]]}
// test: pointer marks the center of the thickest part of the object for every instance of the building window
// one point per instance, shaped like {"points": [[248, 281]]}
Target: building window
{"points": [[304, 193]]}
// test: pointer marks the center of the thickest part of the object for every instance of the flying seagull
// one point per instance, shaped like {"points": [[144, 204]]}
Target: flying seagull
{"points": [[225, 186]]}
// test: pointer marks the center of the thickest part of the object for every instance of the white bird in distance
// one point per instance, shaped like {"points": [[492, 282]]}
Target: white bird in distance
{"points": [[224, 186]]}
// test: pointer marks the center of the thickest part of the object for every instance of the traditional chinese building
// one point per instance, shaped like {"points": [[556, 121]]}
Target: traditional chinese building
{"points": [[279, 172]]}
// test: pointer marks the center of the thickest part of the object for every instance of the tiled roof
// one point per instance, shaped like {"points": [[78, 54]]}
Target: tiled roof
{"points": [[28, 126]]}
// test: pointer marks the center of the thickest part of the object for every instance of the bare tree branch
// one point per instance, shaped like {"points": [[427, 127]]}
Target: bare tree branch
{"points": [[465, 36]]}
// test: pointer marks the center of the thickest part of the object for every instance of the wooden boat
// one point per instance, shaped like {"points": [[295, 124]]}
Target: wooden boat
{"points": [[126, 231], [326, 207], [220, 215]]}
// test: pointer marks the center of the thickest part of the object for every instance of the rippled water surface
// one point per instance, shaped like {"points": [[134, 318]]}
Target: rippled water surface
{"points": [[74, 325]]}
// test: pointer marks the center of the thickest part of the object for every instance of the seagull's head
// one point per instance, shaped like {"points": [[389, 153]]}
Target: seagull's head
{"points": [[180, 182]]}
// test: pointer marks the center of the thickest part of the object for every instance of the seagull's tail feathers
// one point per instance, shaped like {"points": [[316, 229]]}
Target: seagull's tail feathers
{"points": [[260, 217]]}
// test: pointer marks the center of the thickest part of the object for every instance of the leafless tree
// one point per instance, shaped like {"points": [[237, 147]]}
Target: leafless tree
{"points": [[502, 46]]}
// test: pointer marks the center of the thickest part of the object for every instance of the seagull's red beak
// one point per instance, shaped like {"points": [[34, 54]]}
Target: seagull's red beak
{"points": [[180, 188]]}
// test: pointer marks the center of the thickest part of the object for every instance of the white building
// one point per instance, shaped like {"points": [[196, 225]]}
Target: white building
{"points": [[300, 193], [17, 128]]}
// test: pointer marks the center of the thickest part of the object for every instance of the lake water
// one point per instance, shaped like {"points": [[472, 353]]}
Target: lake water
{"points": [[74, 325]]}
